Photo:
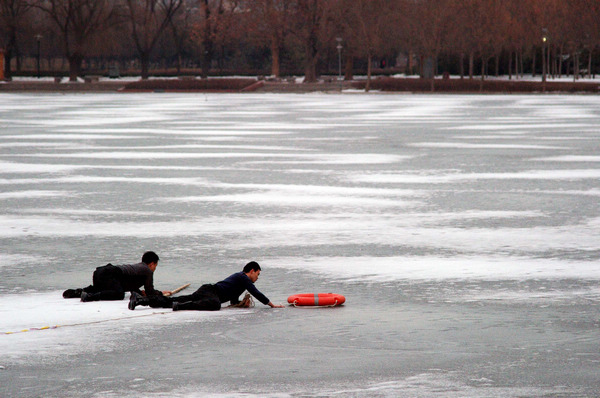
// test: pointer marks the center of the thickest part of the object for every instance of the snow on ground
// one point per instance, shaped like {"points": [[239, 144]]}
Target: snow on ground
{"points": [[47, 326], [527, 77]]}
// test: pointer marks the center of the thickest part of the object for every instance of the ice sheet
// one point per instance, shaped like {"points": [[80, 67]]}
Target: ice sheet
{"points": [[469, 267]]}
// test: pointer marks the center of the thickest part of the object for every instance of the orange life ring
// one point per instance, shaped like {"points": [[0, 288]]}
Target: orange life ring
{"points": [[317, 299]]}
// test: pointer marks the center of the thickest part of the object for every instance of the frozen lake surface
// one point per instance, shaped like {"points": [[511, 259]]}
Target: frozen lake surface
{"points": [[463, 230]]}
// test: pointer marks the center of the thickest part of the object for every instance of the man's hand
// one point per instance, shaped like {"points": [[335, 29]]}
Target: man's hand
{"points": [[167, 292], [275, 305]]}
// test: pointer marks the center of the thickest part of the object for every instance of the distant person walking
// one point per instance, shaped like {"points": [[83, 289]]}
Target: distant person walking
{"points": [[209, 297], [110, 282]]}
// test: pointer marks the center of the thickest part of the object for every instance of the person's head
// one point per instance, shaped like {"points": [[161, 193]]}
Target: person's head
{"points": [[252, 269], [151, 260]]}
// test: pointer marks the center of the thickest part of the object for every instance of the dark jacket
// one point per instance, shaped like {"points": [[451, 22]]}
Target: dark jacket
{"points": [[234, 285], [136, 275]]}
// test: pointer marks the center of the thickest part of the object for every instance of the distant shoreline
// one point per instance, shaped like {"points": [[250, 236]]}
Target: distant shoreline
{"points": [[236, 85]]}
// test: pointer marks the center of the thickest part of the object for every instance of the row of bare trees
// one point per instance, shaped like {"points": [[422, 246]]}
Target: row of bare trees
{"points": [[275, 36]]}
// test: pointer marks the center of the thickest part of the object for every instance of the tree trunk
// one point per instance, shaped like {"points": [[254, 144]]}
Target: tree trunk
{"points": [[310, 71], [552, 64], [177, 40], [521, 65], [206, 60], [2, 65], [18, 56], [560, 64], [310, 67], [370, 61], [349, 67], [497, 65], [483, 61], [461, 65], [471, 62], [275, 62], [589, 67], [75, 61], [510, 57], [9, 53], [145, 62], [7, 60], [207, 45], [533, 64], [483, 65], [179, 61], [548, 61]]}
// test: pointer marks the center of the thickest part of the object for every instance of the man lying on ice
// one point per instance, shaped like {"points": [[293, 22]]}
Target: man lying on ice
{"points": [[209, 297]]}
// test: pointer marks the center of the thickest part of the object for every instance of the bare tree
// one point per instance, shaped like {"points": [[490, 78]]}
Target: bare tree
{"points": [[591, 12], [206, 29], [12, 16], [181, 28], [269, 20], [518, 39], [489, 25], [309, 27], [304, 31], [79, 21], [460, 40], [583, 28], [229, 29], [213, 27], [366, 24], [149, 19], [432, 18], [342, 29]]}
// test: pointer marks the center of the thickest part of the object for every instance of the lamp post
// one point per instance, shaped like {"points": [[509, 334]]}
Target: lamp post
{"points": [[544, 40], [339, 48], [38, 38]]}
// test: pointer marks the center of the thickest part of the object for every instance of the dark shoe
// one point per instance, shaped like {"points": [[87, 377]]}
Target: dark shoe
{"points": [[72, 293], [175, 306], [133, 301]]}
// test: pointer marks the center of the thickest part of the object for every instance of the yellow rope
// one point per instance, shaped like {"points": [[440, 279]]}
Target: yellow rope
{"points": [[82, 323]]}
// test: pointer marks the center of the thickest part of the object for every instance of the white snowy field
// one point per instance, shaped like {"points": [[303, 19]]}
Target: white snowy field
{"points": [[26, 318], [409, 200]]}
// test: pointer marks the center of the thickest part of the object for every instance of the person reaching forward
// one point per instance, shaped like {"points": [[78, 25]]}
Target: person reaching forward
{"points": [[209, 297]]}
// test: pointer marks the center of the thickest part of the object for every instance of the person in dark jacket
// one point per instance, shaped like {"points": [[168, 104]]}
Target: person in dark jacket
{"points": [[110, 282], [209, 297]]}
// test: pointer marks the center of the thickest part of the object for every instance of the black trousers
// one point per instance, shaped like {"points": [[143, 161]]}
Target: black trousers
{"points": [[106, 284], [203, 299]]}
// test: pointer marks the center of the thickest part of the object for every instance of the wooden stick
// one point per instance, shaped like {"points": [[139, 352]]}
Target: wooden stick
{"points": [[180, 288]]}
